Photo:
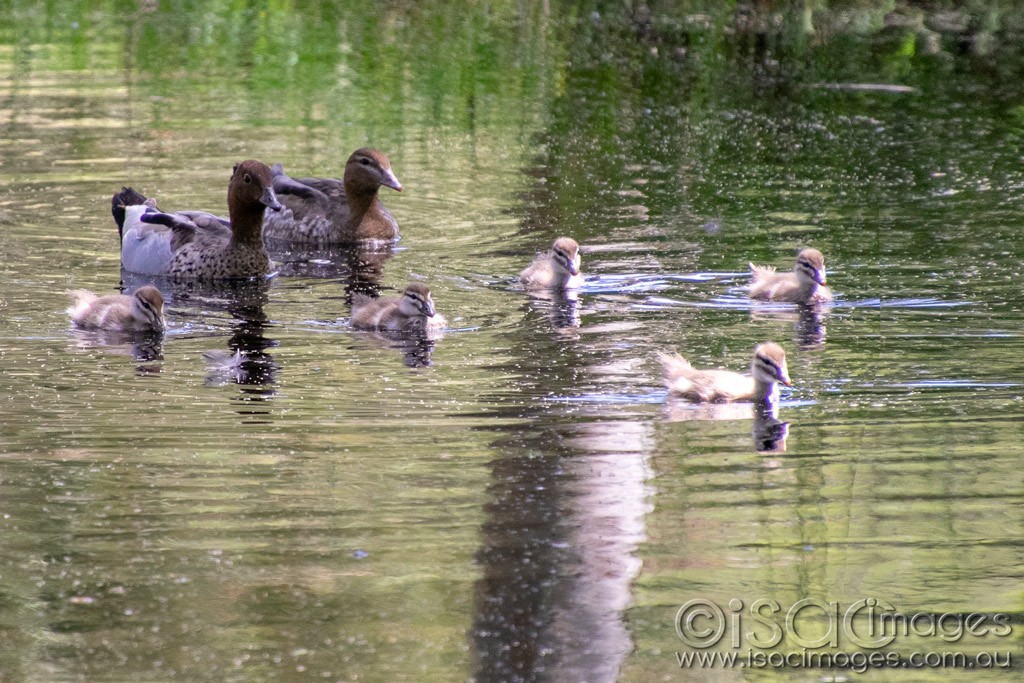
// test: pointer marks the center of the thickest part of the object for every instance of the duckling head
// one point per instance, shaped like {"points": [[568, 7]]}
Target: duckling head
{"points": [[148, 306], [566, 253], [769, 365], [416, 301], [367, 169], [252, 183], [810, 267]]}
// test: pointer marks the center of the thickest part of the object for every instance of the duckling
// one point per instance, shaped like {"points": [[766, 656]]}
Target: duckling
{"points": [[412, 311], [142, 311], [767, 368], [195, 244], [558, 268], [327, 210], [805, 285]]}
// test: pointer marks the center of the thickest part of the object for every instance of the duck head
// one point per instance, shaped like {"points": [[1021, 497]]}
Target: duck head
{"points": [[566, 253], [810, 267], [148, 306], [769, 365], [367, 169], [416, 301], [252, 189]]}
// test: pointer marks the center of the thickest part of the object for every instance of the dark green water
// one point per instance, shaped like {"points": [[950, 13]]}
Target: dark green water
{"points": [[525, 503]]}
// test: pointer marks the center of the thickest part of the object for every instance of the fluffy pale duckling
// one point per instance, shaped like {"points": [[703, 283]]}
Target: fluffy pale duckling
{"points": [[805, 285], [195, 244], [142, 311], [412, 311], [327, 210], [767, 368], [558, 268]]}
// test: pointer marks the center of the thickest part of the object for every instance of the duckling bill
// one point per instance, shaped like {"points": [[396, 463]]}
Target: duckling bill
{"points": [[767, 370]]}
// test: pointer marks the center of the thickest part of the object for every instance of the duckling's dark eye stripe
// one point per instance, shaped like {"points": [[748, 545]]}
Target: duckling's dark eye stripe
{"points": [[149, 307], [770, 363]]}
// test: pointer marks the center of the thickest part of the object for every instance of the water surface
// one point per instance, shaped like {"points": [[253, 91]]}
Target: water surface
{"points": [[519, 500]]}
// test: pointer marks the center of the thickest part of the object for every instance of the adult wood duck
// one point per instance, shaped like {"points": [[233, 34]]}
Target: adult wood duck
{"points": [[196, 244], [328, 210]]}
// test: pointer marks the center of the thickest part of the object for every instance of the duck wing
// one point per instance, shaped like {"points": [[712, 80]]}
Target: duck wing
{"points": [[208, 222], [368, 312], [327, 190], [332, 188], [187, 226]]}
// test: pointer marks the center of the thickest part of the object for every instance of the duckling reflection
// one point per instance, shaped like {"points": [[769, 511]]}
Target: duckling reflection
{"points": [[560, 305], [809, 328], [142, 347], [360, 266], [769, 432], [416, 348]]}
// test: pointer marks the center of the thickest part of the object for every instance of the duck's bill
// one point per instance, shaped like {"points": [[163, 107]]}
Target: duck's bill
{"points": [[391, 181], [269, 199]]}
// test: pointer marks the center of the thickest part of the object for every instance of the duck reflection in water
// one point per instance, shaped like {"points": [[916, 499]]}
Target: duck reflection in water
{"points": [[562, 307], [360, 266], [416, 348], [246, 362], [808, 323], [769, 432], [143, 347], [810, 329], [241, 297]]}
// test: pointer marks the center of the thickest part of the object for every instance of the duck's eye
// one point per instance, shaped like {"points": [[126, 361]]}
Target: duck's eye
{"points": [[247, 178], [364, 161]]}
